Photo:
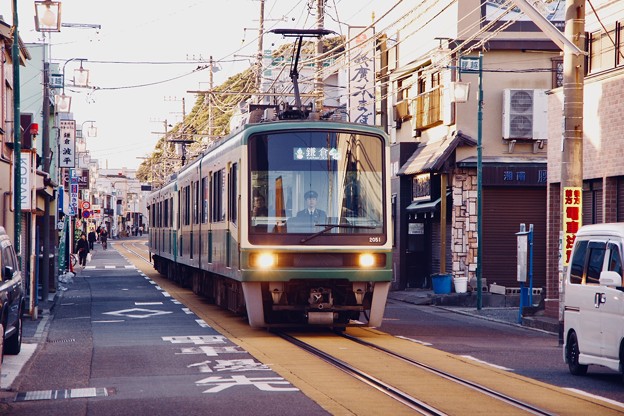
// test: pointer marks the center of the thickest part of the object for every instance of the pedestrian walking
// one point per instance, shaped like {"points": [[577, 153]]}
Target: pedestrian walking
{"points": [[82, 249], [92, 237]]}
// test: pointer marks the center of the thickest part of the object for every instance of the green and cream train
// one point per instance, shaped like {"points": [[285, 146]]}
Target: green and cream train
{"points": [[288, 221]]}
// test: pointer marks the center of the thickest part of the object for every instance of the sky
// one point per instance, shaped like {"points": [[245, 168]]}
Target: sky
{"points": [[161, 43]]}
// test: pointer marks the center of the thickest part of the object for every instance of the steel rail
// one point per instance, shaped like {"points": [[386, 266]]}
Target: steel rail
{"points": [[467, 383], [402, 397], [145, 259]]}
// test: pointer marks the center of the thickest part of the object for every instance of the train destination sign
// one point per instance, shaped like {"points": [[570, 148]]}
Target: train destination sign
{"points": [[315, 153]]}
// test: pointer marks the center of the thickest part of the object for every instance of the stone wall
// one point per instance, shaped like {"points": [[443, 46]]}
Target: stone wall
{"points": [[464, 223]]}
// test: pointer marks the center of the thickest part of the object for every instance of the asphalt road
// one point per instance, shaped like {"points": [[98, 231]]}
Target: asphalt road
{"points": [[123, 342]]}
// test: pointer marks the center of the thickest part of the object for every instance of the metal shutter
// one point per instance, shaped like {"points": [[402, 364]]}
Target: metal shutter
{"points": [[504, 209]]}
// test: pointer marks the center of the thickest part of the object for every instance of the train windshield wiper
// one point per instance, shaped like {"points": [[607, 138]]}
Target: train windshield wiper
{"points": [[332, 226]]}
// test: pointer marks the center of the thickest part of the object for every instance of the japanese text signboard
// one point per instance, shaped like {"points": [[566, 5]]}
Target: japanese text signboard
{"points": [[362, 75], [67, 144], [73, 192], [572, 219], [27, 180]]}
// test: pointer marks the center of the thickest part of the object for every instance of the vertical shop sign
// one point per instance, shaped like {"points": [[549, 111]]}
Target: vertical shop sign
{"points": [[73, 192], [26, 180], [572, 218], [67, 144], [362, 75]]}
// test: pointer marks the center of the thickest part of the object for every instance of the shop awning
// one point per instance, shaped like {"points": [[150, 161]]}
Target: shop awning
{"points": [[419, 207], [425, 206], [431, 156]]}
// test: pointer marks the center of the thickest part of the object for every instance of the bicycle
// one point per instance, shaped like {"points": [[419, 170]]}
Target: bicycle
{"points": [[104, 244]]}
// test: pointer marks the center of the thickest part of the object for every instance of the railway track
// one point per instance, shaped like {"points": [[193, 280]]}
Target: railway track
{"points": [[385, 384], [409, 378], [138, 249]]}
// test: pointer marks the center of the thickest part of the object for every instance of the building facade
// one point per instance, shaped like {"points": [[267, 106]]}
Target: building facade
{"points": [[435, 139], [603, 146]]}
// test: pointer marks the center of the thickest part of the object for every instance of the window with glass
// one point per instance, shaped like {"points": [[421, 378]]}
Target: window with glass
{"points": [[218, 196], [186, 193], [596, 260], [602, 52], [196, 202], [577, 265], [233, 205], [615, 259], [204, 197], [324, 183]]}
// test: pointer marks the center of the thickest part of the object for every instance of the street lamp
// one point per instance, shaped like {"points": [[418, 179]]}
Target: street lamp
{"points": [[91, 131], [81, 79], [62, 103], [48, 16], [81, 76]]}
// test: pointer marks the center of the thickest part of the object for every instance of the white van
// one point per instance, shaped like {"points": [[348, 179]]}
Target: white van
{"points": [[594, 300]]}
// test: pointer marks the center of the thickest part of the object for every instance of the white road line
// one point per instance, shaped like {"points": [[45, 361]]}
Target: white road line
{"points": [[415, 340], [584, 393], [109, 321], [147, 303], [500, 367], [201, 323]]}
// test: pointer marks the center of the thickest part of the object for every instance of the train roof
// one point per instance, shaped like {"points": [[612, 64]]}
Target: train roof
{"points": [[252, 128]]}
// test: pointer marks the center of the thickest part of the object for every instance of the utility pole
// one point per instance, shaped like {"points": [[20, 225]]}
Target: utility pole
{"points": [[318, 81], [210, 97], [260, 51], [572, 146], [166, 156], [45, 153]]}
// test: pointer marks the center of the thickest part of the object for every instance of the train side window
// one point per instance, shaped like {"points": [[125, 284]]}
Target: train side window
{"points": [[159, 220], [204, 198], [196, 202], [187, 205], [165, 213], [233, 205], [171, 224], [578, 263], [218, 196]]}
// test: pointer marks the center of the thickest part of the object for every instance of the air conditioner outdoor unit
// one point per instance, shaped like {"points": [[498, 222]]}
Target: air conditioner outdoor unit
{"points": [[525, 114]]}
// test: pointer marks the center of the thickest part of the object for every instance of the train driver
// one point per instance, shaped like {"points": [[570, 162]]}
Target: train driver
{"points": [[311, 213], [259, 207]]}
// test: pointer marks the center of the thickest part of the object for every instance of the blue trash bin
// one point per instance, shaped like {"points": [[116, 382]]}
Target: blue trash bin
{"points": [[441, 283]]}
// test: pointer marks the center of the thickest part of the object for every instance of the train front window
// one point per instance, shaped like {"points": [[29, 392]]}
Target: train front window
{"points": [[327, 183]]}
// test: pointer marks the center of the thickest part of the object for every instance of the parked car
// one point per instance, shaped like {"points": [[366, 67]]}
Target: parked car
{"points": [[594, 300], [12, 301]]}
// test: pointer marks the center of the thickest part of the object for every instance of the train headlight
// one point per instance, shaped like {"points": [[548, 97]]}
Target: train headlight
{"points": [[367, 260], [266, 260]]}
